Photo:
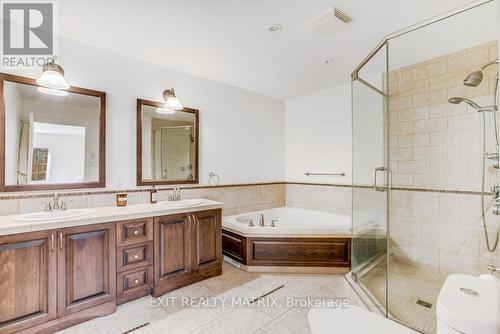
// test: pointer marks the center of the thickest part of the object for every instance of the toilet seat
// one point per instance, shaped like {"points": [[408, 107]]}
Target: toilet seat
{"points": [[352, 320]]}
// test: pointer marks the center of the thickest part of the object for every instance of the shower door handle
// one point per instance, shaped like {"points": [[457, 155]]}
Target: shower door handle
{"points": [[389, 177]]}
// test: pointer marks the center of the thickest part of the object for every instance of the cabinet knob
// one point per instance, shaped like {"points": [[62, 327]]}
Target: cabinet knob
{"points": [[136, 256], [136, 281], [136, 232]]}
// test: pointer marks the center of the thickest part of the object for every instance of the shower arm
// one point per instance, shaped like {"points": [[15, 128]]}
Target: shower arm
{"points": [[489, 64]]}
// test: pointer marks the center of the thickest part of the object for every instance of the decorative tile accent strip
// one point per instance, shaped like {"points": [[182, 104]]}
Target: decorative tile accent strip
{"points": [[145, 190]]}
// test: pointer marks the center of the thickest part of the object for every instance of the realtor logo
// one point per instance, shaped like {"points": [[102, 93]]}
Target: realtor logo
{"points": [[28, 33]]}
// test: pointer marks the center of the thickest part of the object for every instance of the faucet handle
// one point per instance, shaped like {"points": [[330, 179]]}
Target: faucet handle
{"points": [[493, 269]]}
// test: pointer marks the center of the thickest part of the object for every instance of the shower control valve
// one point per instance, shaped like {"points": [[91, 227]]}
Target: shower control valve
{"points": [[496, 208], [495, 190]]}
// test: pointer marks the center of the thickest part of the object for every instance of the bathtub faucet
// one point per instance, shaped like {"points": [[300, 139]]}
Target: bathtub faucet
{"points": [[261, 221]]}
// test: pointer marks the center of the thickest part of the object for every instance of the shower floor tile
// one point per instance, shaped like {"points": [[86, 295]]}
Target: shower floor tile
{"points": [[407, 285]]}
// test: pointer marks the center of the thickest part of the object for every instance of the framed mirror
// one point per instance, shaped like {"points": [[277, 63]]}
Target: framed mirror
{"points": [[50, 139], [167, 144]]}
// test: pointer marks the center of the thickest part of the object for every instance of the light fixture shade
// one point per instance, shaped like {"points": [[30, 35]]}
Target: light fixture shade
{"points": [[53, 92], [165, 111], [52, 77], [171, 101]]}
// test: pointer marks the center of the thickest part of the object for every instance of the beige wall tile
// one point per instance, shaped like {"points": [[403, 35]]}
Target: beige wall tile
{"points": [[429, 69], [9, 207], [414, 167], [413, 114], [473, 59], [401, 128], [400, 103], [430, 125], [402, 179], [434, 181], [429, 153], [446, 109], [431, 97], [415, 140], [401, 154]]}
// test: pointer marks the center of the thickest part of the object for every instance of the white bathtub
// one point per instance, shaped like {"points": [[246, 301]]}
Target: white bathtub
{"points": [[290, 222]]}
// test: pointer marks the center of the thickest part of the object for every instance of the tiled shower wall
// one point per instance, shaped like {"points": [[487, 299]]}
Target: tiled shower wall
{"points": [[438, 145], [435, 144]]}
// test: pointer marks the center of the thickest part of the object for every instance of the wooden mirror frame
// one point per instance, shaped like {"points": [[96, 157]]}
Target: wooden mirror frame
{"points": [[140, 181], [53, 186]]}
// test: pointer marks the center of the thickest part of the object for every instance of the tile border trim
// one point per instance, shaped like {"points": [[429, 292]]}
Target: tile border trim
{"points": [[144, 189]]}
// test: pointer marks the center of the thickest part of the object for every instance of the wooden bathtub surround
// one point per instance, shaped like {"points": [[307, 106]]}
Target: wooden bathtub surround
{"points": [[54, 279], [287, 251]]}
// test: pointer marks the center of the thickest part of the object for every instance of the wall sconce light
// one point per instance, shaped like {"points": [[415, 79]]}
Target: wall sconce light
{"points": [[171, 101], [52, 76]]}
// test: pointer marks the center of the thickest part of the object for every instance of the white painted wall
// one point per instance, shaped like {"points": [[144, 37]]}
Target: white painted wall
{"points": [[318, 136], [241, 133]]}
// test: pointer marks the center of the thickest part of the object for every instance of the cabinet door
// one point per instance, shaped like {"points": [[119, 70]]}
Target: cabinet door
{"points": [[172, 252], [208, 239], [86, 267], [28, 280]]}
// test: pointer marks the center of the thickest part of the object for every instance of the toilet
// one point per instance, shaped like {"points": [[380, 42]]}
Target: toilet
{"points": [[468, 305]]}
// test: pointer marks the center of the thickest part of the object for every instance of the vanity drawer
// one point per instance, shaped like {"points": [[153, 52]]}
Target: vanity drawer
{"points": [[134, 256], [130, 232], [133, 284]]}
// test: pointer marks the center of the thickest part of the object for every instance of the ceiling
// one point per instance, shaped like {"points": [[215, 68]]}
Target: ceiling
{"points": [[228, 41]]}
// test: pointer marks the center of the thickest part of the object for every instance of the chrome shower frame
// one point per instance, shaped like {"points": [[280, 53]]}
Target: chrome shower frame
{"points": [[354, 280]]}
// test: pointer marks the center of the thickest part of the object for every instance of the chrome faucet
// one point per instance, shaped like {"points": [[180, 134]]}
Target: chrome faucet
{"points": [[55, 204], [261, 220], [175, 195]]}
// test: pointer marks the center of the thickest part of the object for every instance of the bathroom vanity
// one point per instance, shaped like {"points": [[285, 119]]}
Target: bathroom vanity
{"points": [[57, 274]]}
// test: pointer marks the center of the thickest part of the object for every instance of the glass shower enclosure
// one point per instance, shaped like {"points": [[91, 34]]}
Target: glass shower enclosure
{"points": [[424, 159]]}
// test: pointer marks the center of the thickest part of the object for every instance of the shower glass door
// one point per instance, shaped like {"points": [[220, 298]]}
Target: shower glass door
{"points": [[371, 176]]}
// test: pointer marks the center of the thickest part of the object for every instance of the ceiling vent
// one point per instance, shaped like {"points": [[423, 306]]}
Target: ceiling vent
{"points": [[330, 22]]}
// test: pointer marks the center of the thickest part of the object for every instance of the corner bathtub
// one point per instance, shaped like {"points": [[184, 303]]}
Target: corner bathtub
{"points": [[300, 238]]}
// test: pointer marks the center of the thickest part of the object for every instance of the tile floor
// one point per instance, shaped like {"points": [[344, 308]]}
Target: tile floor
{"points": [[170, 314], [407, 284]]}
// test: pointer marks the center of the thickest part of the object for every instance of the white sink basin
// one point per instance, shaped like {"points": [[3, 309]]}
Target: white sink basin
{"points": [[183, 203], [53, 215]]}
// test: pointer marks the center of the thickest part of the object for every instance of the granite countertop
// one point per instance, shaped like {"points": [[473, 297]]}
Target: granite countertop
{"points": [[101, 215]]}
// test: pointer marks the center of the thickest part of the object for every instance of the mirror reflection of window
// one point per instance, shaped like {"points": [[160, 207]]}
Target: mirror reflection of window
{"points": [[40, 165], [168, 145], [50, 139]]}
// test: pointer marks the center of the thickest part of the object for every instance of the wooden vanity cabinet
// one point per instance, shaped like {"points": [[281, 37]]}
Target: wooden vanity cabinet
{"points": [[52, 279], [187, 249], [134, 259], [28, 280], [86, 267]]}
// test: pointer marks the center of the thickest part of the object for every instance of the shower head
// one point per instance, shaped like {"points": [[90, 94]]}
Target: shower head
{"points": [[475, 78], [458, 100]]}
